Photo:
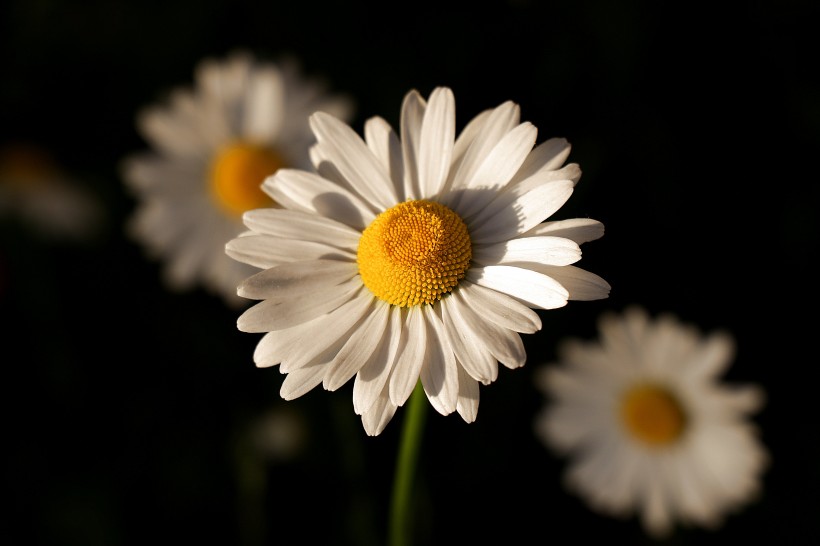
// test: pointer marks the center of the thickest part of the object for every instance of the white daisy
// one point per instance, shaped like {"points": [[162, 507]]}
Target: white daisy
{"points": [[37, 191], [649, 427], [213, 145], [413, 256]]}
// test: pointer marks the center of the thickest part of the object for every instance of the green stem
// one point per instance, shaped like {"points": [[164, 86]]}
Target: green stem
{"points": [[405, 467]]}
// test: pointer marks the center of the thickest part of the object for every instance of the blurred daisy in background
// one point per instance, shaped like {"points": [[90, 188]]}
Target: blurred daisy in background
{"points": [[649, 427], [212, 146], [44, 197], [413, 256]]}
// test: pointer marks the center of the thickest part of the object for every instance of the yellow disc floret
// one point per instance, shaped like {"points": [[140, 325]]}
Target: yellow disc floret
{"points": [[414, 253], [237, 174], [653, 415]]}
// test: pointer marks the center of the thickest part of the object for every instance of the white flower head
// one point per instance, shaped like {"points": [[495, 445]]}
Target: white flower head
{"points": [[413, 256], [647, 424], [212, 147]]}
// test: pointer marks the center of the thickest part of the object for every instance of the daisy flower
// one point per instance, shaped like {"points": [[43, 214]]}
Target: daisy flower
{"points": [[212, 146], [37, 191], [412, 256], [650, 429]]}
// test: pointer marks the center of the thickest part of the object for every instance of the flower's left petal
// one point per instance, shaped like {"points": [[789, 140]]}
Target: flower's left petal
{"points": [[270, 315], [439, 374], [296, 279], [359, 347], [499, 223], [266, 251], [301, 226], [529, 287], [468, 396], [350, 155], [299, 382]]}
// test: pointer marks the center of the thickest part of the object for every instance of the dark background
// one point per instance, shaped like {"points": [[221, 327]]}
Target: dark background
{"points": [[123, 404]]}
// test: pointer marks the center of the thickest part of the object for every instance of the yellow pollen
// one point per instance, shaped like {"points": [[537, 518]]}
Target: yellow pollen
{"points": [[237, 174], [653, 415], [414, 253]]}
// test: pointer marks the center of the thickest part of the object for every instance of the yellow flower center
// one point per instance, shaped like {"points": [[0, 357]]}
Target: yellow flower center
{"points": [[237, 174], [414, 253], [653, 415]]}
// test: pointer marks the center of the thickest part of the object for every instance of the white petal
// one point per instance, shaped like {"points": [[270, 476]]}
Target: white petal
{"points": [[405, 374], [547, 156], [264, 105], [581, 285], [372, 378], [468, 346], [275, 346], [468, 396], [580, 230], [359, 347], [301, 226], [436, 144], [498, 223], [380, 413], [439, 374], [266, 251], [329, 329], [270, 315], [311, 193], [500, 121], [529, 287], [546, 250], [296, 279], [495, 171], [412, 114], [505, 345], [350, 155], [385, 145], [499, 308], [299, 382]]}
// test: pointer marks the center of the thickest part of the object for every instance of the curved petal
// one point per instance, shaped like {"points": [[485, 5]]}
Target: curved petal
{"points": [[264, 105], [301, 381], [581, 285], [505, 345], [380, 413], [468, 397], [266, 251], [547, 156], [470, 350]]}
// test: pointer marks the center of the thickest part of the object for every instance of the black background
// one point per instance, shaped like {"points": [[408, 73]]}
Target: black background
{"points": [[697, 131]]}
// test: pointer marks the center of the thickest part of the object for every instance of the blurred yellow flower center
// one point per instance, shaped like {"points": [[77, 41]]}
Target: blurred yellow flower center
{"points": [[414, 253], [653, 415], [237, 174]]}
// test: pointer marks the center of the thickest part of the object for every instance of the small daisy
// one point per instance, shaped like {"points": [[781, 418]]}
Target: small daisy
{"points": [[412, 256], [213, 145], [37, 191], [649, 426]]}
